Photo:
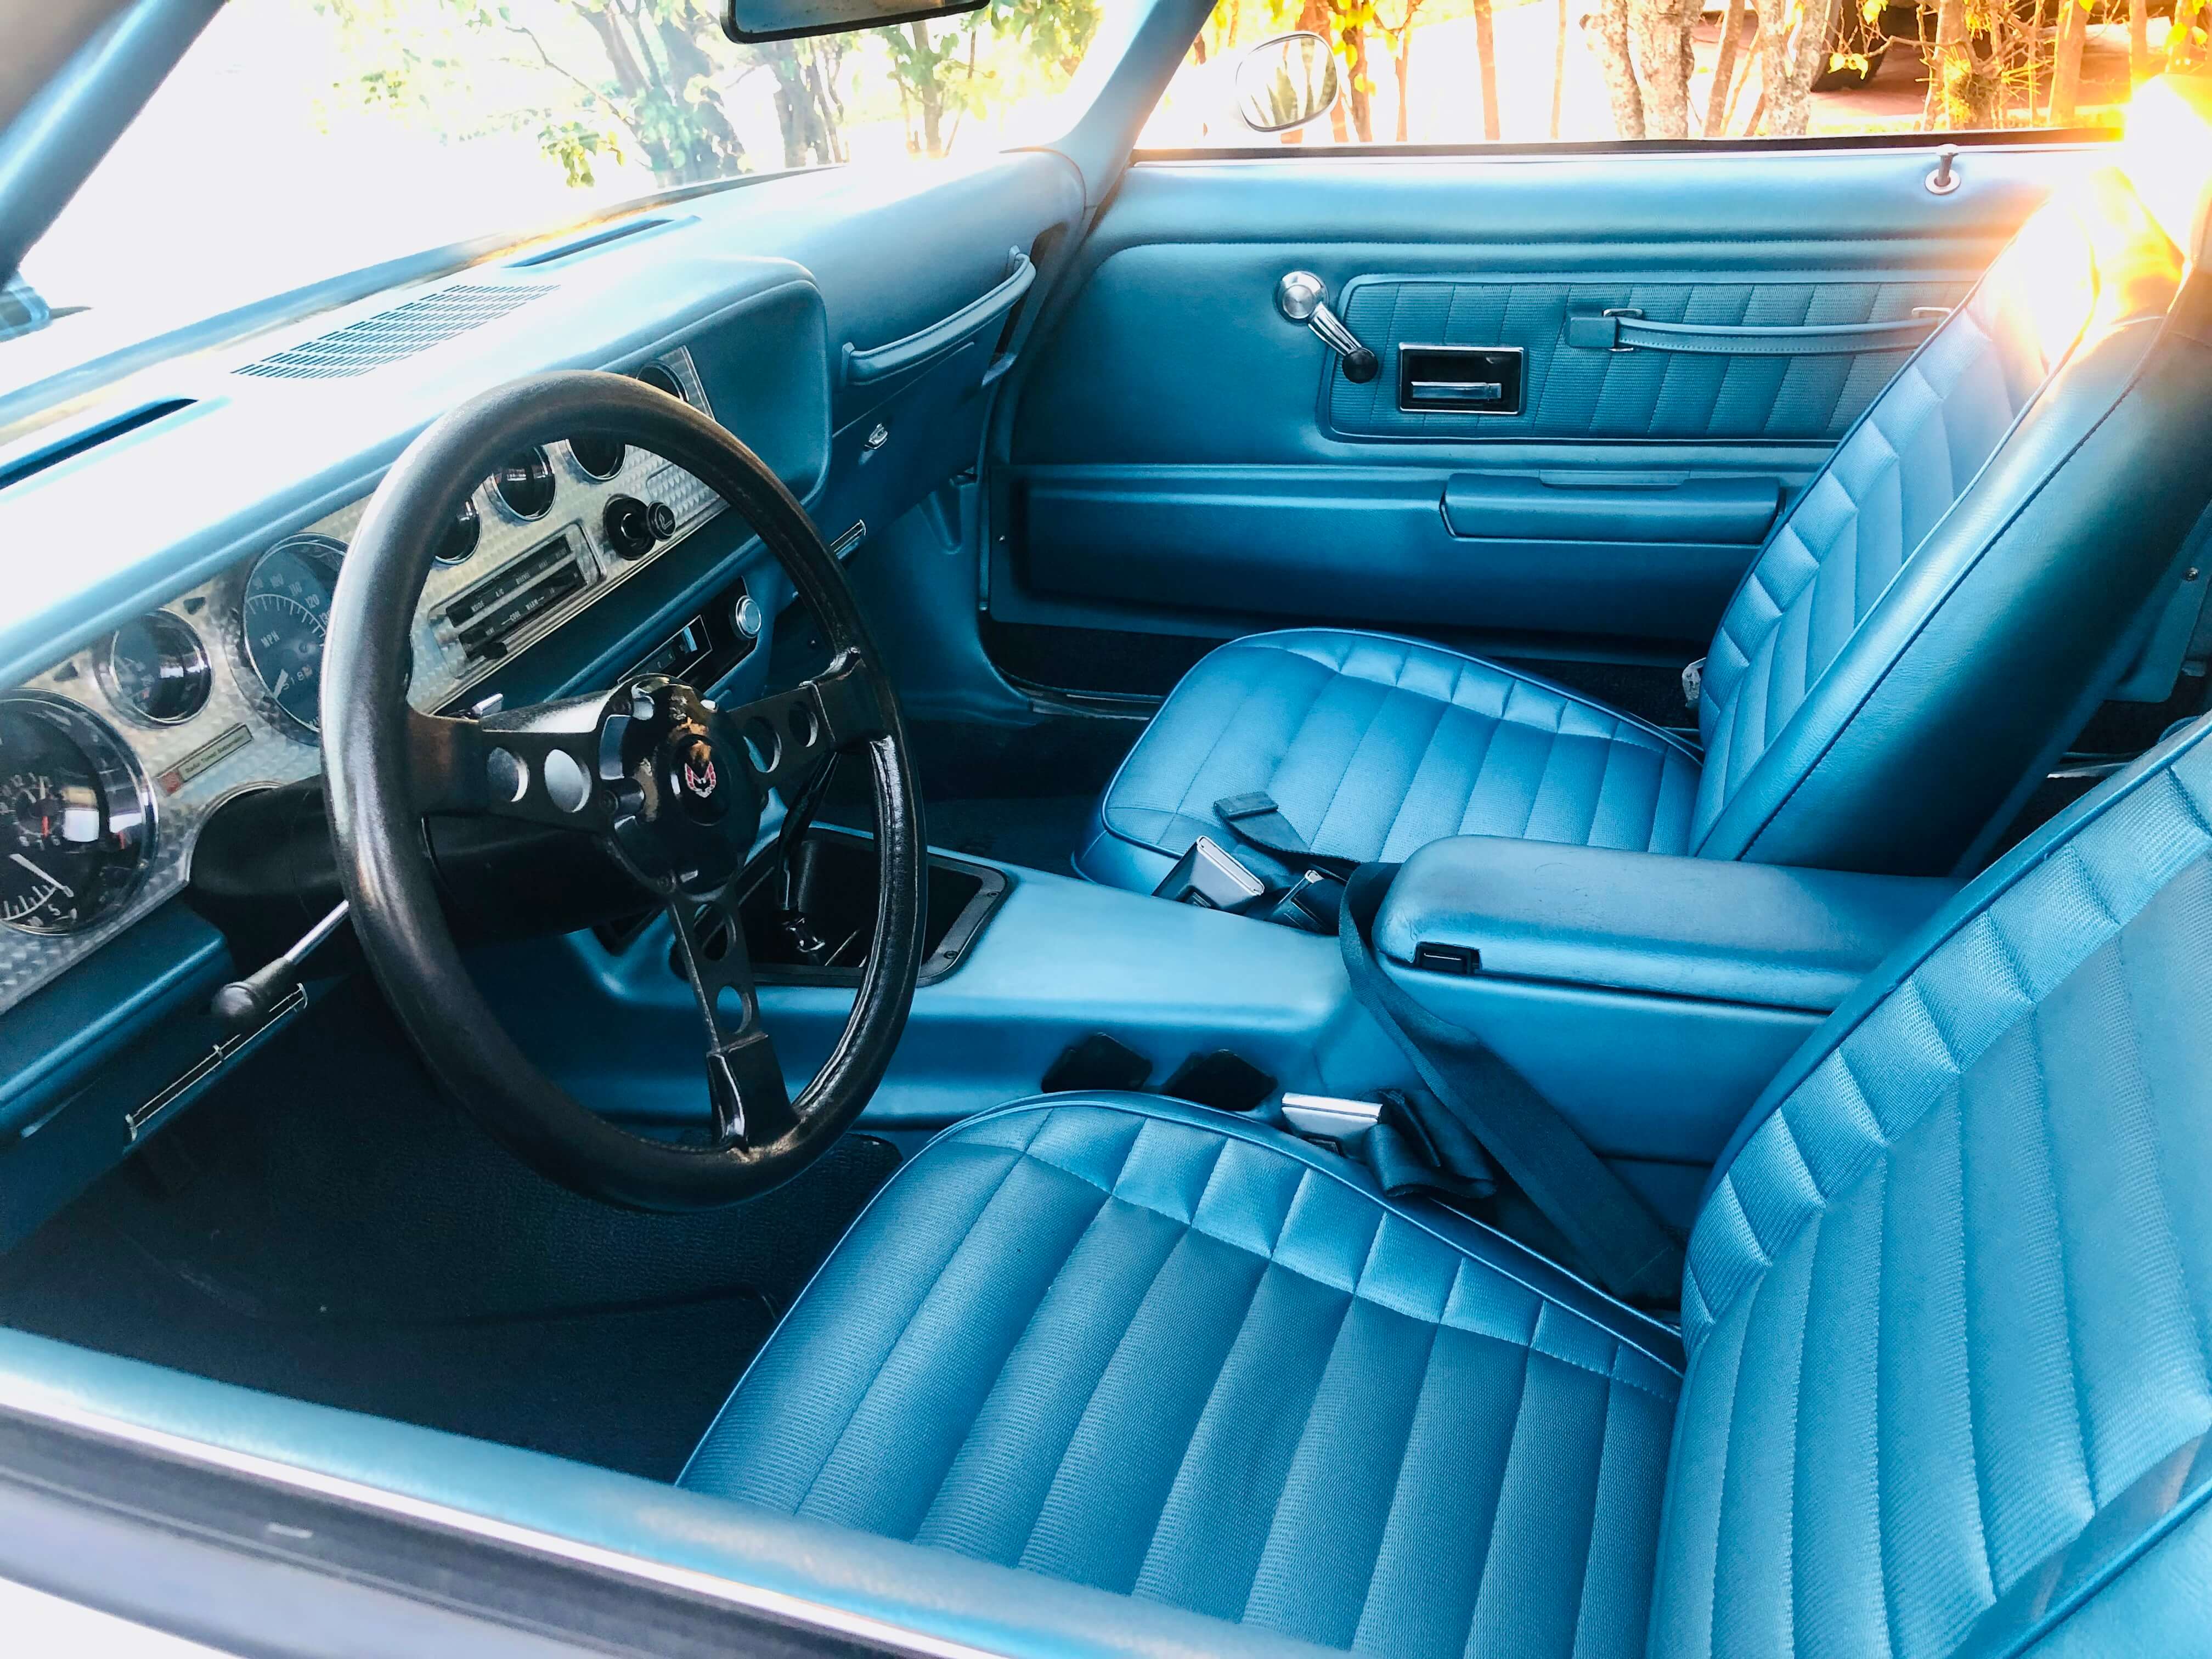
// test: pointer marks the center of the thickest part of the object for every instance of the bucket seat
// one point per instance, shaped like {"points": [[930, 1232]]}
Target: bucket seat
{"points": [[1932, 621], [1941, 1385]]}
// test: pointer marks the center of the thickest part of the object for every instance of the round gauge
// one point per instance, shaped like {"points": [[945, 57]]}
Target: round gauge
{"points": [[524, 482], [76, 820], [156, 670], [460, 537], [284, 614], [661, 378], [600, 457]]}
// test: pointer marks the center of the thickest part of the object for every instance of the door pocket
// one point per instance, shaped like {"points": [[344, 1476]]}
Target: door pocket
{"points": [[1516, 506]]}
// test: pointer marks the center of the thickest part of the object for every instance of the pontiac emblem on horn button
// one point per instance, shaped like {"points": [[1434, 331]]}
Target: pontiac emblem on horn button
{"points": [[699, 772], [696, 780]]}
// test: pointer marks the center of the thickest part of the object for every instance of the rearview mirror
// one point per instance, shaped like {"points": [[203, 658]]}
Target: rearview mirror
{"points": [[1286, 82], [789, 20]]}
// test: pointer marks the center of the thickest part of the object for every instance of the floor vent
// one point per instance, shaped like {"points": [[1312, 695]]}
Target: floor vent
{"points": [[386, 337]]}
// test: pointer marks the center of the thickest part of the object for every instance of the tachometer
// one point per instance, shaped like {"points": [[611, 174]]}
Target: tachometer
{"points": [[156, 670], [284, 614], [602, 458], [461, 535], [524, 483], [76, 820]]}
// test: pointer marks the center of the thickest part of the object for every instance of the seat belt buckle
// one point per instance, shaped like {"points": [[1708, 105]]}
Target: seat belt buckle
{"points": [[1694, 682], [1311, 903], [1210, 878]]}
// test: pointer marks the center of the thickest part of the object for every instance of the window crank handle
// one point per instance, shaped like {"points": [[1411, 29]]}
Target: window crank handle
{"points": [[1303, 298]]}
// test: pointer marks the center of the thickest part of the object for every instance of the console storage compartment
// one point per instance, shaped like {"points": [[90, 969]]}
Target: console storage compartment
{"points": [[836, 893], [1649, 997]]}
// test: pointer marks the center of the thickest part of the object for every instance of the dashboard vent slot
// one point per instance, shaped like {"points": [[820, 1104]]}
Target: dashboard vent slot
{"points": [[388, 337], [569, 249], [91, 438]]}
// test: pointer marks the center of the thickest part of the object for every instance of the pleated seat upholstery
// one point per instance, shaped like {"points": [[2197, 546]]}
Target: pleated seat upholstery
{"points": [[1376, 745], [1942, 1383], [1950, 1299], [1129, 1343], [1947, 1318], [1930, 623]]}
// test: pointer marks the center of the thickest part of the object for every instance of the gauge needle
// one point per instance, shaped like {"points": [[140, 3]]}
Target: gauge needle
{"points": [[63, 887]]}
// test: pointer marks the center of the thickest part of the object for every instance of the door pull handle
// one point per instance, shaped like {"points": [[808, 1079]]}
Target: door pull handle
{"points": [[1302, 297]]}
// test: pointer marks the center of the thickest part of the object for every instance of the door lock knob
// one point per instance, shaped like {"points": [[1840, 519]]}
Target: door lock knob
{"points": [[1302, 297]]}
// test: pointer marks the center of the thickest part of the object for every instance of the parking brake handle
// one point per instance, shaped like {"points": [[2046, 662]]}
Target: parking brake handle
{"points": [[1303, 298]]}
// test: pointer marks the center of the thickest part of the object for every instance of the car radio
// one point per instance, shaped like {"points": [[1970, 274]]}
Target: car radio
{"points": [[486, 617]]}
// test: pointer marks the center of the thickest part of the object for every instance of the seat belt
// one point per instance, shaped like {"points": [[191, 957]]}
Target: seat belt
{"points": [[1408, 1159], [1619, 1242], [1310, 902]]}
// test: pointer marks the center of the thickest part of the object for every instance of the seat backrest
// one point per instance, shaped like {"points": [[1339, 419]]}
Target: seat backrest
{"points": [[1947, 602], [1949, 1306]]}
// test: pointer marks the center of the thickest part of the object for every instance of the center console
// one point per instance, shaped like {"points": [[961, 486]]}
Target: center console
{"points": [[1651, 999]]}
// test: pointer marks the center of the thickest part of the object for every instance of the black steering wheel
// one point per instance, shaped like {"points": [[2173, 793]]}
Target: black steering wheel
{"points": [[674, 786]]}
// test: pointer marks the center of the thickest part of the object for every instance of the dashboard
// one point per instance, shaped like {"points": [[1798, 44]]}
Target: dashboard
{"points": [[112, 758], [170, 529]]}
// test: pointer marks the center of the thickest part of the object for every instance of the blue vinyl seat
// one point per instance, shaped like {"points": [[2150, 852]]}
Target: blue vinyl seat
{"points": [[1941, 1386], [1936, 616]]}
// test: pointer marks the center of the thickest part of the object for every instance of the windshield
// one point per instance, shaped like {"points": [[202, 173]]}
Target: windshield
{"points": [[301, 140]]}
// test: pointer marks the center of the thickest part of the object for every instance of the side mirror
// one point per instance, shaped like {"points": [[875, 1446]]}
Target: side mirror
{"points": [[1286, 82]]}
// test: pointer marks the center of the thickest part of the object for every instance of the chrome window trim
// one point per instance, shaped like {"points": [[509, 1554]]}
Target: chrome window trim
{"points": [[31, 1402]]}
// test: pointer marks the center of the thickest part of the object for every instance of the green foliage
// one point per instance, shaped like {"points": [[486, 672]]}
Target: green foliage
{"points": [[602, 82], [980, 61], [575, 145], [600, 78]]}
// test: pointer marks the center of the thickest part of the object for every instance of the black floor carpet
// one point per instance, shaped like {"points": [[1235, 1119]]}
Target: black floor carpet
{"points": [[625, 1387], [327, 1227]]}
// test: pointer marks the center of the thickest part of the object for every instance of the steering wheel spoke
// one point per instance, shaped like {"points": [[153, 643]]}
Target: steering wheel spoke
{"points": [[540, 764], [789, 736], [745, 1078]]}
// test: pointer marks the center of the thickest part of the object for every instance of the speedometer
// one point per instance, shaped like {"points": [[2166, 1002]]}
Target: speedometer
{"points": [[76, 821], [284, 614]]}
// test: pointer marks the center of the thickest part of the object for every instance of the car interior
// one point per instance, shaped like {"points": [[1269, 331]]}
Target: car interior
{"points": [[1115, 902]]}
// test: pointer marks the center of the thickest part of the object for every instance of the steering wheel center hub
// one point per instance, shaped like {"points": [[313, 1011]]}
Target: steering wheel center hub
{"points": [[696, 780], [688, 812]]}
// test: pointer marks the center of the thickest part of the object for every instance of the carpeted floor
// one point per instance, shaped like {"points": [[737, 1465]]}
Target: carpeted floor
{"points": [[327, 1227]]}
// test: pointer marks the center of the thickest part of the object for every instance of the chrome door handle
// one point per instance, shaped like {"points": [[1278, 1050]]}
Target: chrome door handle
{"points": [[1303, 298]]}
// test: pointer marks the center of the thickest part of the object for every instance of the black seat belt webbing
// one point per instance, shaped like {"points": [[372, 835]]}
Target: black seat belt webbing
{"points": [[1622, 1244], [1256, 821]]}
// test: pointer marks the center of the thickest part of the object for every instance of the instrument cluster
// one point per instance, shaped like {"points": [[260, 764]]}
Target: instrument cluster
{"points": [[110, 759]]}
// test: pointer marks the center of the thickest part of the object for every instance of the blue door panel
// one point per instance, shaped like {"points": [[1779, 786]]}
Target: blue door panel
{"points": [[1573, 392], [1389, 544], [1180, 458]]}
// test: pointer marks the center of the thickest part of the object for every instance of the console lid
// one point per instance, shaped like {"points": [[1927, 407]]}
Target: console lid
{"points": [[1713, 929]]}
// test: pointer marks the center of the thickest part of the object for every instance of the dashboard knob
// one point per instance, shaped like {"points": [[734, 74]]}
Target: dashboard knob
{"points": [[629, 526], [662, 517]]}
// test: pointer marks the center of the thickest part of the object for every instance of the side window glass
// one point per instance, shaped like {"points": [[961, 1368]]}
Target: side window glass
{"points": [[1472, 71]]}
